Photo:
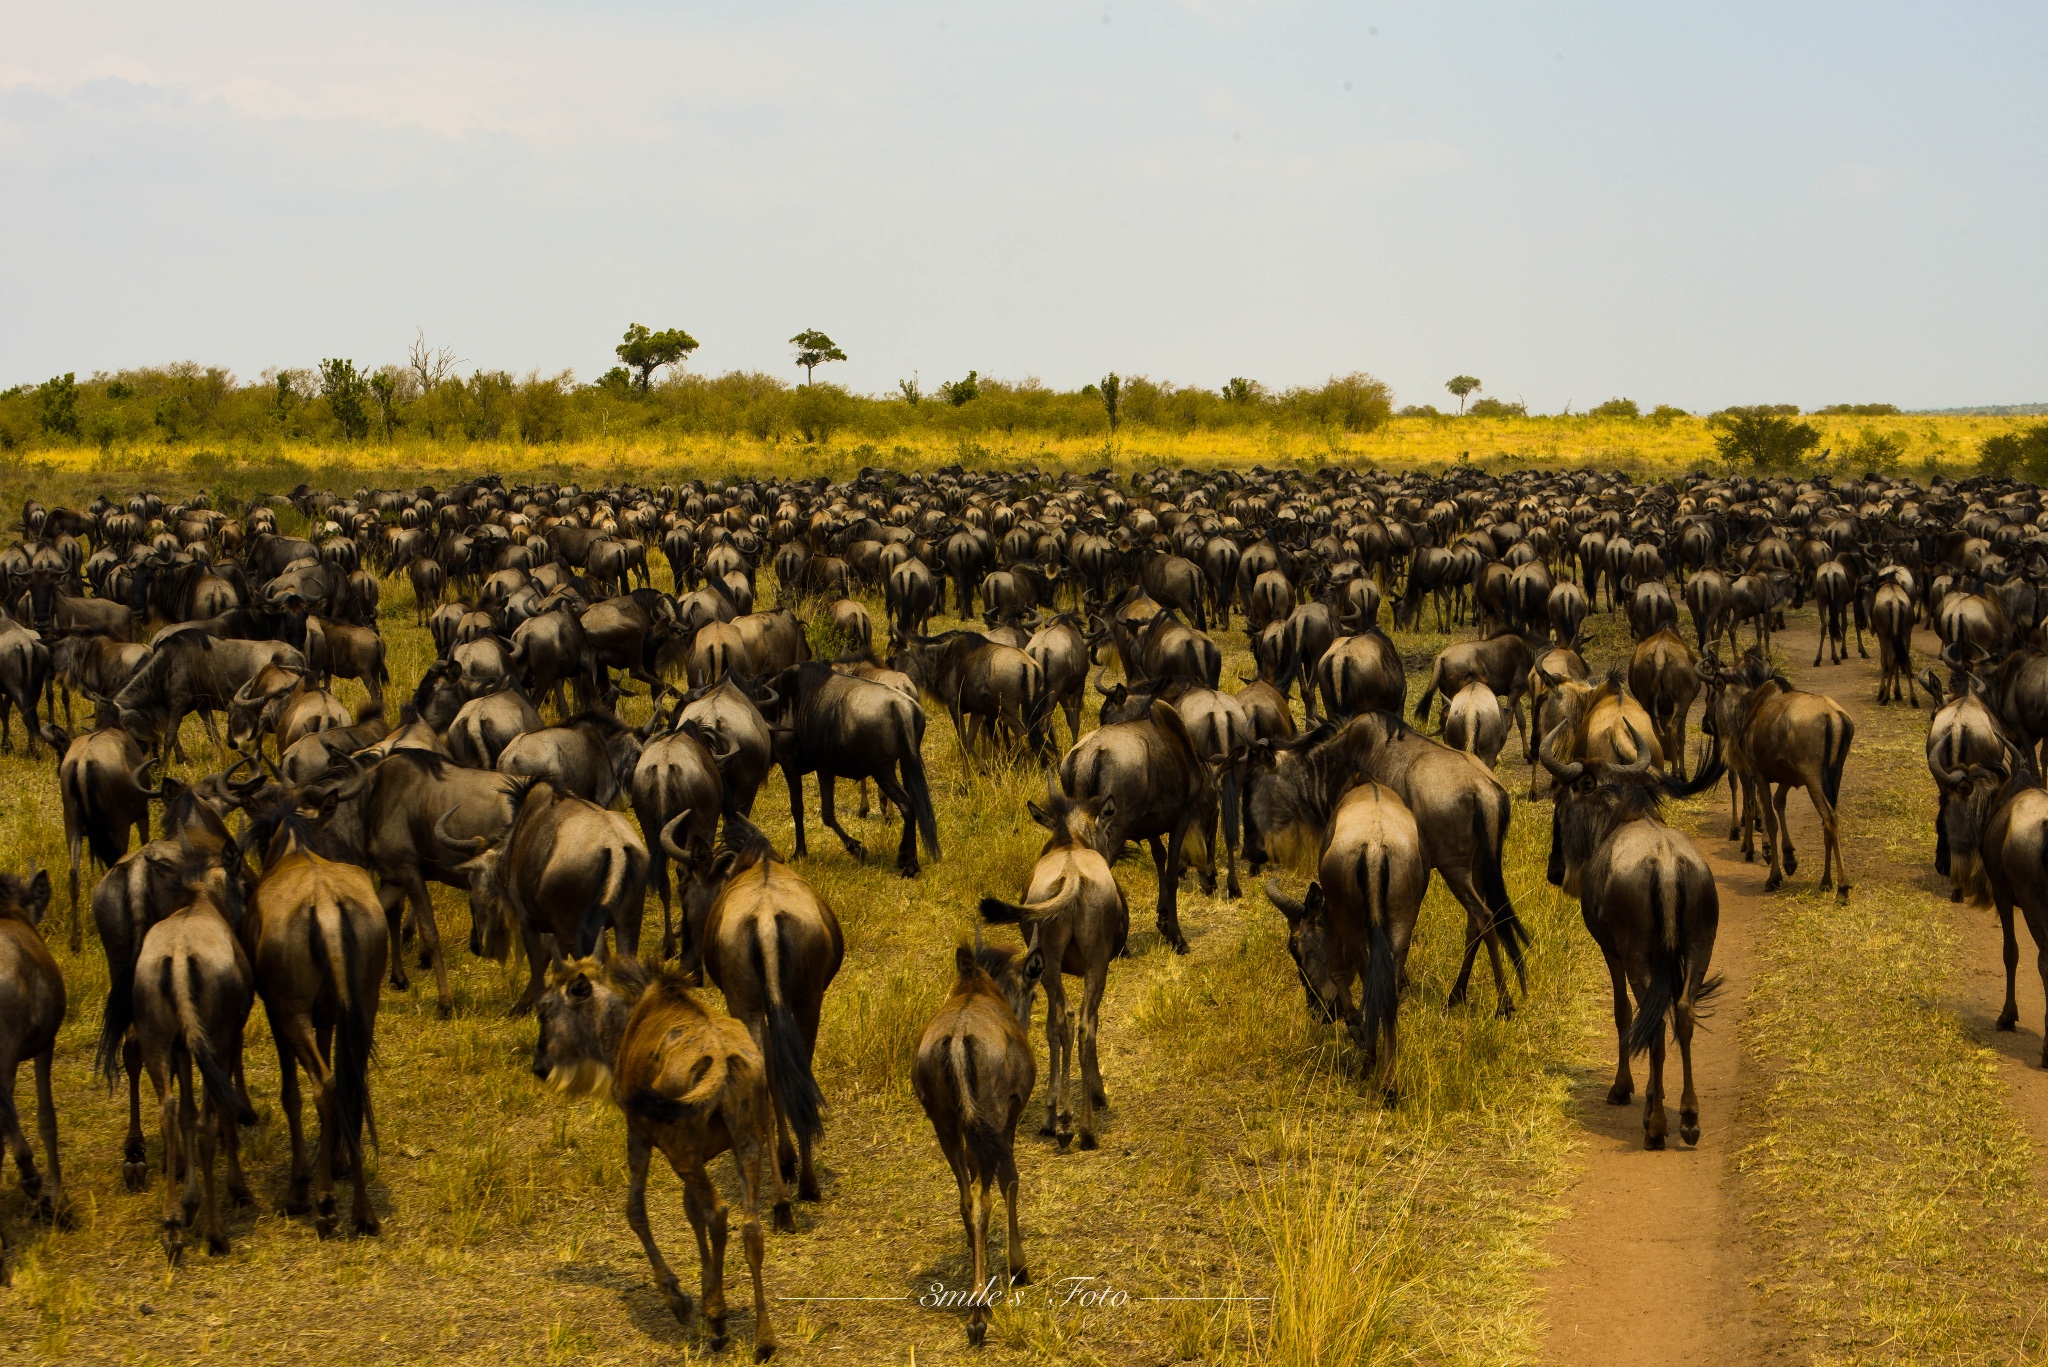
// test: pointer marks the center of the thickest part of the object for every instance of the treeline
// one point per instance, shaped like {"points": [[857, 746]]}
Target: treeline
{"points": [[338, 402]]}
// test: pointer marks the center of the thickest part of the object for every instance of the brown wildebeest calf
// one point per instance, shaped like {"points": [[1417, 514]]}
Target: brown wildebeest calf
{"points": [[315, 934], [974, 1076], [1650, 902], [193, 989], [692, 1084], [1357, 921], [31, 1010], [1075, 914], [772, 945]]}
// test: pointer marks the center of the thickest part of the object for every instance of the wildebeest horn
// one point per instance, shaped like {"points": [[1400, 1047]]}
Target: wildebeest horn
{"points": [[668, 836], [1641, 762], [469, 849], [1560, 770], [141, 781]]}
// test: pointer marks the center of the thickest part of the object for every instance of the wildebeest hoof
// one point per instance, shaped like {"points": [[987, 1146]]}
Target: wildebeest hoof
{"points": [[857, 850], [1773, 883], [1099, 1099], [976, 1332], [324, 1226], [1063, 1138], [1021, 1277], [1955, 894], [1653, 1141], [1047, 1130], [135, 1175], [785, 1220], [1088, 1140], [909, 870], [1791, 862], [2008, 1022], [1842, 893], [808, 1190], [1618, 1095], [369, 1227], [399, 982], [426, 960], [787, 1163], [239, 1198], [1689, 1131], [763, 1351], [1506, 1010], [174, 1242], [216, 1246], [296, 1205]]}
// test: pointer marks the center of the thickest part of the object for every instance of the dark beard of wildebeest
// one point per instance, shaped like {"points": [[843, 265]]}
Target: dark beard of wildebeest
{"points": [[1461, 811], [1162, 788], [692, 1084], [565, 868], [1222, 732], [33, 987], [194, 987], [1356, 921], [314, 938], [973, 1074], [386, 819], [834, 726], [190, 671], [1650, 901], [976, 679], [1074, 913], [772, 945]]}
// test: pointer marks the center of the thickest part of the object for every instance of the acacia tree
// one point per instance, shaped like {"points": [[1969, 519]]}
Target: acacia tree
{"points": [[345, 389], [813, 349], [1462, 385], [1112, 398], [1762, 436], [646, 352]]}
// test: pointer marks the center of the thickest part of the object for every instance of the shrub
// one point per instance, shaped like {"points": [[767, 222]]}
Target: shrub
{"points": [[1762, 436], [1497, 408], [2016, 453], [1616, 408]]}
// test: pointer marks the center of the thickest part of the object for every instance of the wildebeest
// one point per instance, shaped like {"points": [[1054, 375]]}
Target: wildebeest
{"points": [[486, 725], [1502, 660], [337, 650], [1222, 731], [591, 754], [1075, 915], [25, 669], [1356, 921], [1893, 614], [973, 1074], [189, 671], [193, 990], [1474, 722], [1663, 677], [678, 773], [692, 1085], [1834, 591], [104, 794], [1650, 902], [772, 945], [834, 726], [1162, 788], [975, 678], [1362, 672], [1061, 653], [31, 1012], [1786, 738]]}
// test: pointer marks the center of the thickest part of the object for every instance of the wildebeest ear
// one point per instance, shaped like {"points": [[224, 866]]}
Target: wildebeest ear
{"points": [[579, 988], [554, 949], [1107, 811], [329, 803], [964, 962], [1034, 965], [39, 894], [1312, 902], [1039, 814]]}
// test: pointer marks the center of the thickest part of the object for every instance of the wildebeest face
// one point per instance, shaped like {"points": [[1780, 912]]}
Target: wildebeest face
{"points": [[1308, 944]]}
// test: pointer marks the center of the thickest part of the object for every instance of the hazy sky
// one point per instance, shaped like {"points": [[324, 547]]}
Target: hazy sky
{"points": [[1699, 205]]}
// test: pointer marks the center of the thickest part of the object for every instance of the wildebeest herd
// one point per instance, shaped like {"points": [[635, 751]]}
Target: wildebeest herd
{"points": [[295, 871]]}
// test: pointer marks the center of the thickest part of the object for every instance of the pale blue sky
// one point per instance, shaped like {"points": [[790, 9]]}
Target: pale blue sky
{"points": [[1715, 204]]}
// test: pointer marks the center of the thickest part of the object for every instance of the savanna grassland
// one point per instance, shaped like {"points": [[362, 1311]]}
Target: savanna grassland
{"points": [[1242, 1156]]}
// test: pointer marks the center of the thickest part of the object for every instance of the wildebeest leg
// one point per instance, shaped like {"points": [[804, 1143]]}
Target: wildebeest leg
{"points": [[1205, 826], [1091, 1070], [657, 874], [1788, 856], [170, 1226], [188, 1141], [1013, 1258], [898, 796], [707, 1217], [2009, 1017], [430, 942], [1059, 1045], [392, 897], [134, 1153], [1231, 795], [1773, 814], [830, 817], [52, 1204], [1832, 863], [1688, 1100], [747, 1159], [796, 804], [1654, 1121], [1624, 1080], [536, 966], [231, 1135], [288, 1096], [1478, 930], [638, 1151], [1169, 886]]}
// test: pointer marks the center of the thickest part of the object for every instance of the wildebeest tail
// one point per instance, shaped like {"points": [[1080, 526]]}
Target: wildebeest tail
{"points": [[1830, 766], [1380, 986], [219, 1082], [984, 1140], [789, 1057], [1668, 959], [1493, 887], [100, 830], [335, 951], [1428, 697], [599, 913], [919, 788]]}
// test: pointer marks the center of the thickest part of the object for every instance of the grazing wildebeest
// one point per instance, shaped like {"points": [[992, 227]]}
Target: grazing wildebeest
{"points": [[977, 679], [772, 946], [309, 757], [1650, 902], [187, 671], [1965, 736], [592, 754], [834, 726], [692, 1084], [315, 936], [1893, 614], [565, 867], [95, 666], [1460, 809], [1664, 678], [193, 990], [1356, 922], [973, 1074], [31, 1011], [1162, 787], [1074, 913]]}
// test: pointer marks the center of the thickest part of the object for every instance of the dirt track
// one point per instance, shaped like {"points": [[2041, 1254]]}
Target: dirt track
{"points": [[1657, 1258]]}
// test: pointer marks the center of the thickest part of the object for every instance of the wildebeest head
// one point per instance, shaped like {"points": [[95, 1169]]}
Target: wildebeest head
{"points": [[1970, 795], [25, 899], [1594, 798], [583, 1015], [1308, 944], [1088, 823], [1016, 973]]}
